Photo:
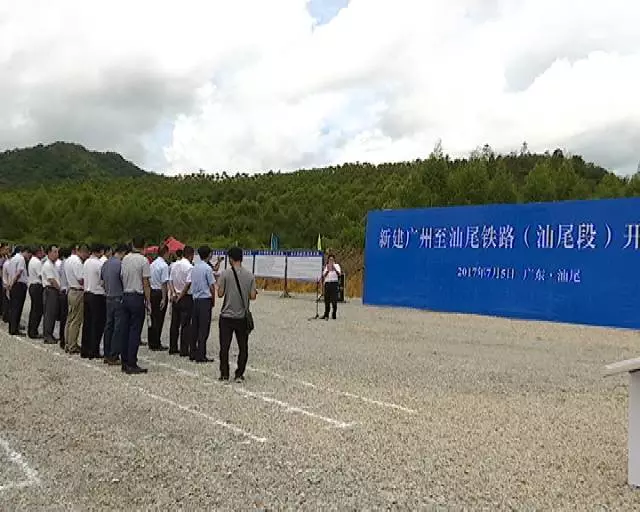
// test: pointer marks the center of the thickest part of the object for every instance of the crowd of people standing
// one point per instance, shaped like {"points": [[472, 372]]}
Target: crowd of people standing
{"points": [[99, 296]]}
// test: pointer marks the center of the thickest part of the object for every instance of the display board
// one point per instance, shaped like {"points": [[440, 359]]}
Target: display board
{"points": [[215, 254], [573, 261], [304, 265], [269, 264], [248, 260]]}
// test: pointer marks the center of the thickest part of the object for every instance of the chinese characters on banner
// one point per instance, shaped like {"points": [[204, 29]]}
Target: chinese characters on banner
{"points": [[580, 237]]}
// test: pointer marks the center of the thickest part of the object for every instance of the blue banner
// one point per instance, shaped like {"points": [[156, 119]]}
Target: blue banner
{"points": [[574, 261]]}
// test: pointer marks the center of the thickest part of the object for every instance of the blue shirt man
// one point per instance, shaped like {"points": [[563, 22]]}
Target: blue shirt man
{"points": [[114, 327], [202, 281], [203, 292]]}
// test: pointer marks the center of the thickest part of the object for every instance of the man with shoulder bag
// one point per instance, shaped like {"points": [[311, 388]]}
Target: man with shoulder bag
{"points": [[237, 287]]}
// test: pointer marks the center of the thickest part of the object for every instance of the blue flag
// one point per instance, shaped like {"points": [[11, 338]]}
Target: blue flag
{"points": [[275, 242]]}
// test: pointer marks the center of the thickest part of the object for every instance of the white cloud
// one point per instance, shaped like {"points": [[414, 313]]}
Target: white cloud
{"points": [[249, 85]]}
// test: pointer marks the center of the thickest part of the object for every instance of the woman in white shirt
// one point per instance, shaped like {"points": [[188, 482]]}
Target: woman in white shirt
{"points": [[331, 275]]}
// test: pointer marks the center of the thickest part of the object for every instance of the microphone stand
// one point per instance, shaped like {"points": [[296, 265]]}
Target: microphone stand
{"points": [[317, 300]]}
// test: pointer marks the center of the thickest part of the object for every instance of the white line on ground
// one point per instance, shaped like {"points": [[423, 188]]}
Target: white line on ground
{"points": [[153, 396], [257, 395], [372, 401], [17, 459], [305, 383]]}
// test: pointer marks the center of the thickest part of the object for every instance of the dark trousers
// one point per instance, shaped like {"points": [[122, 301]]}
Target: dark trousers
{"points": [[63, 313], [181, 325], [114, 329], [95, 313], [51, 308], [200, 327], [37, 307], [86, 322], [16, 305], [157, 319], [330, 299], [229, 326], [5, 306], [132, 321]]}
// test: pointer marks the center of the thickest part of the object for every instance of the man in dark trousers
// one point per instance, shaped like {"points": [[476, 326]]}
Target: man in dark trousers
{"points": [[136, 298], [114, 331], [36, 293], [236, 286], [95, 305], [180, 283], [51, 283], [331, 277], [18, 289], [4, 300], [159, 298], [203, 293], [63, 309]]}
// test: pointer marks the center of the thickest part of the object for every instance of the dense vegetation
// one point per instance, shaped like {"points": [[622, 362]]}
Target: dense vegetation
{"points": [[221, 210], [61, 161]]}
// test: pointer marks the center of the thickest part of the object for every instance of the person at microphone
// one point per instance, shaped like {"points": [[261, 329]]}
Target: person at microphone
{"points": [[330, 275]]}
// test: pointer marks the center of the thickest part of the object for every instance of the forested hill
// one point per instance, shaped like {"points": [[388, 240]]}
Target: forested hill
{"points": [[334, 201], [61, 161]]}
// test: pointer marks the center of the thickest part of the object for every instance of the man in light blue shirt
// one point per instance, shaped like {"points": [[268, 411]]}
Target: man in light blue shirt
{"points": [[159, 299], [203, 292]]}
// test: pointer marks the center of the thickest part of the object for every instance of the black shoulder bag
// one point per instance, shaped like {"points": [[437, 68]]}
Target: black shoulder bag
{"points": [[247, 315]]}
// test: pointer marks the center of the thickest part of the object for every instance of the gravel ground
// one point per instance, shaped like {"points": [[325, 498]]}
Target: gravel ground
{"points": [[381, 409]]}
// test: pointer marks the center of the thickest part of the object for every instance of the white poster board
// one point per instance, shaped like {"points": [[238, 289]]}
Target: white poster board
{"points": [[219, 253], [270, 264], [304, 265], [247, 260]]}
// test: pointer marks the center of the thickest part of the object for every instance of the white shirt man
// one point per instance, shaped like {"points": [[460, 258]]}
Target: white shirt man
{"points": [[92, 281], [50, 274], [6, 269], [180, 285], [331, 275], [181, 275], [19, 269], [35, 271], [74, 272], [51, 283], [18, 280]]}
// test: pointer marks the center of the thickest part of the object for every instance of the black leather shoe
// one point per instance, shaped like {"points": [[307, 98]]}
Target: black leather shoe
{"points": [[134, 370]]}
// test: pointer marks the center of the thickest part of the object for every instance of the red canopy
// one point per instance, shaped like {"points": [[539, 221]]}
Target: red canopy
{"points": [[173, 245]]}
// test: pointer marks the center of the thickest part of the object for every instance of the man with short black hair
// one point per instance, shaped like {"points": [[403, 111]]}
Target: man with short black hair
{"points": [[182, 308], [114, 330], [203, 292], [63, 304], [137, 297], [94, 304], [74, 272], [237, 286], [159, 298], [4, 282], [36, 293], [51, 284], [18, 288]]}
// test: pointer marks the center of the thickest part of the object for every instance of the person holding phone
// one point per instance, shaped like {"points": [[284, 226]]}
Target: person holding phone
{"points": [[331, 276]]}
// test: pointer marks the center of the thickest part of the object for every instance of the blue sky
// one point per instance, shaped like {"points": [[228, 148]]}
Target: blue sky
{"points": [[325, 10]]}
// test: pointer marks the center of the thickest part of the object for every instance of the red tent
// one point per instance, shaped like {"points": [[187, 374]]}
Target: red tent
{"points": [[173, 245]]}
